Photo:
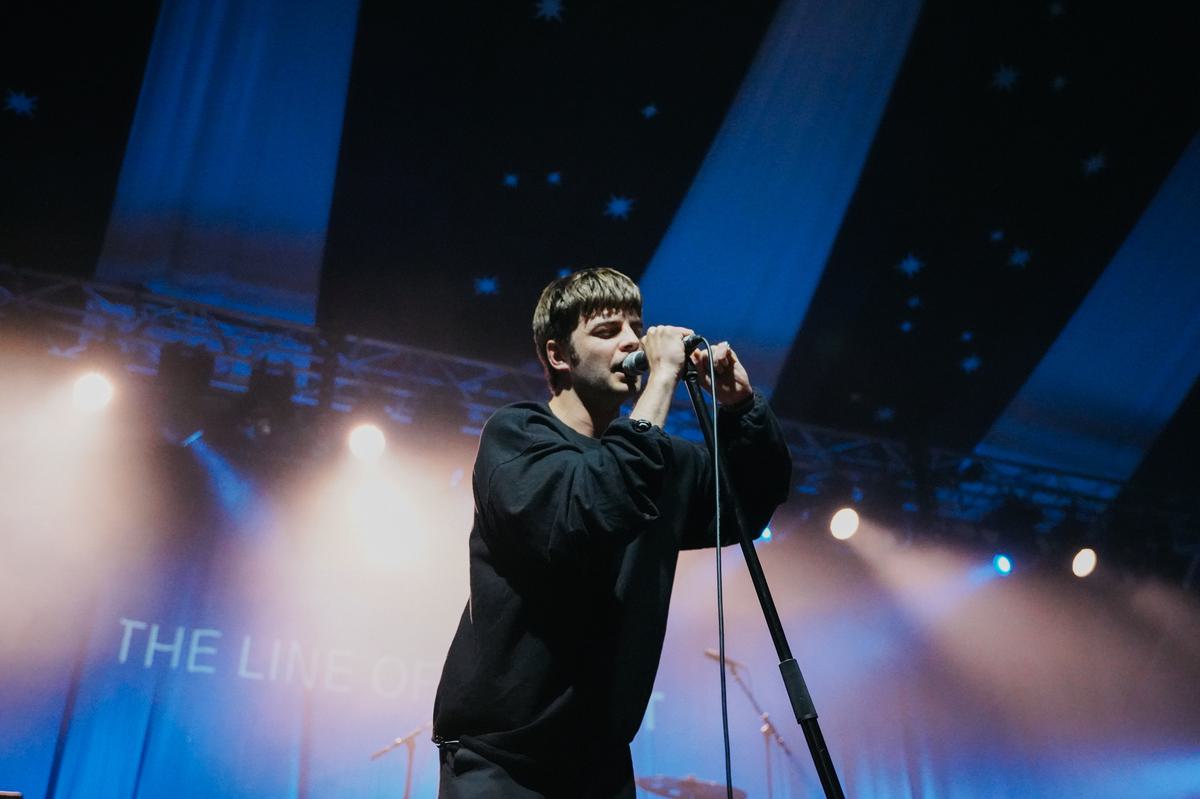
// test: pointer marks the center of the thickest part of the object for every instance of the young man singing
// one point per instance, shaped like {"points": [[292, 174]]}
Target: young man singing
{"points": [[580, 515]]}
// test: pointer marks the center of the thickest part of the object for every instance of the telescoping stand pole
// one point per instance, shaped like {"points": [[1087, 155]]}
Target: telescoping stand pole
{"points": [[793, 680]]}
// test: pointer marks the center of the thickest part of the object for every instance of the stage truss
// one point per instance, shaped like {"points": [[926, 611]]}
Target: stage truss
{"points": [[340, 373]]}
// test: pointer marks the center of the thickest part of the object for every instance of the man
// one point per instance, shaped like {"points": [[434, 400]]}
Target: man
{"points": [[579, 519]]}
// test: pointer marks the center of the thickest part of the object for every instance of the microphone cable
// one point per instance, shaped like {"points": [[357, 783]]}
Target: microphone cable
{"points": [[716, 464]]}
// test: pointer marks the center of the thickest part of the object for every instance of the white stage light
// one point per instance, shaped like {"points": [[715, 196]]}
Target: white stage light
{"points": [[92, 392], [844, 523], [1084, 562], [367, 442]]}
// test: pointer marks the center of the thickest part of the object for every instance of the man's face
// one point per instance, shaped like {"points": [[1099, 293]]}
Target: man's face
{"points": [[600, 344]]}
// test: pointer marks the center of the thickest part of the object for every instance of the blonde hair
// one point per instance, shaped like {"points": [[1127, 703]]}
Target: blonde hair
{"points": [[579, 295]]}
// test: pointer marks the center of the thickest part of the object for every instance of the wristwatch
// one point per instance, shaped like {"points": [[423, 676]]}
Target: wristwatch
{"points": [[641, 425]]}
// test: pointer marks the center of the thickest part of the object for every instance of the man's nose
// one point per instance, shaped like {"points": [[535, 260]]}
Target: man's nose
{"points": [[630, 340]]}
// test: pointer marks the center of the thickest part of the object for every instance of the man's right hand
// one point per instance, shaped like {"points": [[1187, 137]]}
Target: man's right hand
{"points": [[663, 345], [665, 355]]}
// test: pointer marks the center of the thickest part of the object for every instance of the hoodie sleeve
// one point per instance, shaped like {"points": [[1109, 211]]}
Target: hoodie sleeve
{"points": [[760, 473], [550, 498]]}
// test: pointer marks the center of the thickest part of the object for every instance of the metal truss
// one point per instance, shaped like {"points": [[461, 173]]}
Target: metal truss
{"points": [[343, 373]]}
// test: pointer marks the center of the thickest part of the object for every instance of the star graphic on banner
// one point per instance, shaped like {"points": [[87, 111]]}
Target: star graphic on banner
{"points": [[966, 336], [618, 207], [885, 414], [1004, 78], [1019, 257], [487, 285], [997, 235], [649, 110], [554, 178], [1093, 164], [906, 326], [910, 265], [20, 103], [914, 301], [511, 179], [970, 364], [1059, 83], [549, 10]]}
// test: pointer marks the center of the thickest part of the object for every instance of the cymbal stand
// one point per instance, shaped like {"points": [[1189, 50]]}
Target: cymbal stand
{"points": [[768, 729], [410, 742]]}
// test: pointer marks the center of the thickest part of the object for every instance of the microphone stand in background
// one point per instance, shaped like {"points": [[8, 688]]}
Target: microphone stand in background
{"points": [[793, 680], [409, 741], [769, 731]]}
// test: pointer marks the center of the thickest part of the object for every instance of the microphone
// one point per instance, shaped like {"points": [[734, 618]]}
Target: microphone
{"points": [[730, 662], [636, 361]]}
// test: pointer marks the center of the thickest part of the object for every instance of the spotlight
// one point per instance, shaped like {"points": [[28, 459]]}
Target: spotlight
{"points": [[93, 392], [1002, 564], [1084, 562], [766, 534], [367, 442], [266, 409], [844, 523], [183, 374]]}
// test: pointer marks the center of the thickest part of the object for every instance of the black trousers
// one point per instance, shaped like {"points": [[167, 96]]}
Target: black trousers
{"points": [[467, 775]]}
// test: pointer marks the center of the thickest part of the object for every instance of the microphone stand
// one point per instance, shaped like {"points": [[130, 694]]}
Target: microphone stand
{"points": [[769, 731], [409, 741], [793, 680]]}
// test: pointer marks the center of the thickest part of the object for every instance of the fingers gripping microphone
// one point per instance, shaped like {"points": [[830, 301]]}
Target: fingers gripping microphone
{"points": [[636, 361]]}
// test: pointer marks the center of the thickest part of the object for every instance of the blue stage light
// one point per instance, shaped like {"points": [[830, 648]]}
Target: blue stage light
{"points": [[232, 489], [766, 535], [1002, 564]]}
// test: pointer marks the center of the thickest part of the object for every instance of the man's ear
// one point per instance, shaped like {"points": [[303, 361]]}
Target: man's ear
{"points": [[557, 356]]}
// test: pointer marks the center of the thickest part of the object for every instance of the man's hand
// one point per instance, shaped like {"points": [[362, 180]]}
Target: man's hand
{"points": [[664, 350], [665, 354], [733, 384]]}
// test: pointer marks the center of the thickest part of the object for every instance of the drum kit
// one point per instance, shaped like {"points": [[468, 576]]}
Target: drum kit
{"points": [[686, 788]]}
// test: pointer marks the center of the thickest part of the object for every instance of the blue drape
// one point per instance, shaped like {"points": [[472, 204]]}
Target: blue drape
{"points": [[747, 247], [225, 190], [1127, 359]]}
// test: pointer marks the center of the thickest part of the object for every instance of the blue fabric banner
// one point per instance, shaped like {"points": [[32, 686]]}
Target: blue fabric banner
{"points": [[225, 190]]}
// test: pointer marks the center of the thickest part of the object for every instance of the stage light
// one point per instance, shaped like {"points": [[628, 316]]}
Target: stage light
{"points": [[1084, 562], [93, 392], [844, 523], [1002, 564], [266, 409], [367, 442], [766, 534]]}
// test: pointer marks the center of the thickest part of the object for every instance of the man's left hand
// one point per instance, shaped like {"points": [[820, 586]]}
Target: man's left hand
{"points": [[733, 384]]}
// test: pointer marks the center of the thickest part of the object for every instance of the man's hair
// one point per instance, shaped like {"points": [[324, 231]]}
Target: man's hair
{"points": [[579, 295]]}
